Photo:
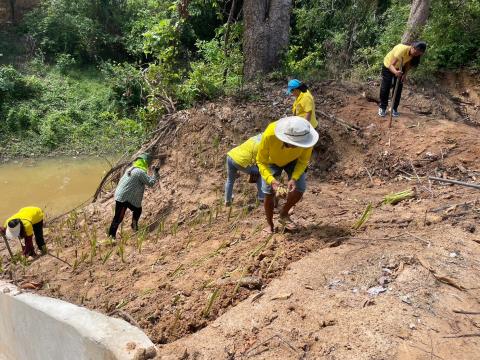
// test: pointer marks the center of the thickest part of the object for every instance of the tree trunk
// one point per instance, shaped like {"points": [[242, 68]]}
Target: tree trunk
{"points": [[12, 10], [416, 21], [267, 25]]}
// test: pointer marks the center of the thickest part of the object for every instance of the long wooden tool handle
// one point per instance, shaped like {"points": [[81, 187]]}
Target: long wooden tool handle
{"points": [[456, 182], [8, 246], [395, 95]]}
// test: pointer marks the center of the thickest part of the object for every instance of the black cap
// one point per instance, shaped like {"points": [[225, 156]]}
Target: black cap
{"points": [[420, 45]]}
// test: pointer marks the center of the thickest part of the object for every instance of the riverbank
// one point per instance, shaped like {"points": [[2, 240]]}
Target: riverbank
{"points": [[53, 110]]}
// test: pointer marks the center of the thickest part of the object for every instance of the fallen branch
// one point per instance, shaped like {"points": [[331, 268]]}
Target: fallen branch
{"points": [[443, 279], [128, 318], [56, 257], [267, 340], [456, 182], [466, 312], [113, 170], [336, 119], [461, 336]]}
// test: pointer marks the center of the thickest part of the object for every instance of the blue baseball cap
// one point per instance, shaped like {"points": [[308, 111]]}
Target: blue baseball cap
{"points": [[292, 85]]}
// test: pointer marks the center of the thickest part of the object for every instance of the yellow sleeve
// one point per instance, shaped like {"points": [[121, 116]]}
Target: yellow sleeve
{"points": [[302, 163], [262, 160], [27, 225], [398, 53], [307, 104]]}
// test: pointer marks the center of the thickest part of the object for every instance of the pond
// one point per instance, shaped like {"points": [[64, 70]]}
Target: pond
{"points": [[56, 185]]}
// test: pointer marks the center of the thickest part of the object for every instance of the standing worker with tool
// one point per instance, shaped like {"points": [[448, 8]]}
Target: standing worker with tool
{"points": [[286, 146], [243, 158], [130, 189], [28, 221], [396, 64]]}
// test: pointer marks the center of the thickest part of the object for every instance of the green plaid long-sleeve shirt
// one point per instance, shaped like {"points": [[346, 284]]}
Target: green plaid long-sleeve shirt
{"points": [[132, 186]]}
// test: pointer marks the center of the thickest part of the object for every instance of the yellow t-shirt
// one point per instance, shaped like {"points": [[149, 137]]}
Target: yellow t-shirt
{"points": [[29, 216], [272, 151], [246, 153], [401, 52], [304, 104]]}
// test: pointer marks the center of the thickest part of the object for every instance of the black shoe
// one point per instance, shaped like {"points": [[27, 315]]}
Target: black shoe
{"points": [[135, 225]]}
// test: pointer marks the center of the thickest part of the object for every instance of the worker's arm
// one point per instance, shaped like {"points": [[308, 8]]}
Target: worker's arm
{"points": [[392, 68], [309, 115], [302, 163], [262, 161], [149, 180]]}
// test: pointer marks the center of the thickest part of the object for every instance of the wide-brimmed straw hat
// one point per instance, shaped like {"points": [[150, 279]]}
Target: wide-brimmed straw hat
{"points": [[297, 131], [14, 231]]}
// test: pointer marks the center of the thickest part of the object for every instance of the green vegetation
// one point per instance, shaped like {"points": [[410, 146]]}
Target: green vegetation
{"points": [[48, 109], [76, 74]]}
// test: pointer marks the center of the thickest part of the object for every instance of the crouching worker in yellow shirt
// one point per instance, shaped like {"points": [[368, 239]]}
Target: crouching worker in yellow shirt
{"points": [[286, 146], [27, 222], [243, 158]]}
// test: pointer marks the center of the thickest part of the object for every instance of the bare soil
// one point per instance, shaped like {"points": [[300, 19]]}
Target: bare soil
{"points": [[204, 282]]}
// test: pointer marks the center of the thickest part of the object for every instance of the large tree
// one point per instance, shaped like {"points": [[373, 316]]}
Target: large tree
{"points": [[267, 25], [416, 21]]}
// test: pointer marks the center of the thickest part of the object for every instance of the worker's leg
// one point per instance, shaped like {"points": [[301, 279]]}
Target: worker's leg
{"points": [[269, 194], [38, 231], [396, 101], [268, 204], [231, 176], [136, 212], [120, 209], [385, 87], [253, 171], [296, 195], [28, 249]]}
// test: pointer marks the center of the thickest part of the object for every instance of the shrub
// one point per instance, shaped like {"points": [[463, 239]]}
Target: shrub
{"points": [[65, 62], [55, 129]]}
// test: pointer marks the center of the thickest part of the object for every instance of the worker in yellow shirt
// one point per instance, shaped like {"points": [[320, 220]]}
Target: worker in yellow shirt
{"points": [[286, 145], [243, 158], [396, 64], [304, 104], [27, 222]]}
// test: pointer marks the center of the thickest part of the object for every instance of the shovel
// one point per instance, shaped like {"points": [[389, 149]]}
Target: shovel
{"points": [[395, 95]]}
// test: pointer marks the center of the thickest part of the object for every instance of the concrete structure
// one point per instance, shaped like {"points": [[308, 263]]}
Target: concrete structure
{"points": [[34, 327]]}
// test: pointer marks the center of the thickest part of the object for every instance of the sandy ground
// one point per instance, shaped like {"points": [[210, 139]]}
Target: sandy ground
{"points": [[204, 282]]}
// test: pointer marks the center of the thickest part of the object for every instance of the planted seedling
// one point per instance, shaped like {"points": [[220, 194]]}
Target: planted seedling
{"points": [[213, 296], [107, 255], [366, 214]]}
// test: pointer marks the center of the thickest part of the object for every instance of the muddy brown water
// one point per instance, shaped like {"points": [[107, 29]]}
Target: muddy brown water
{"points": [[56, 185]]}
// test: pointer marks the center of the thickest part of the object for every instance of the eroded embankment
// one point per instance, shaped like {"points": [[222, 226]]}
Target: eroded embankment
{"points": [[201, 259]]}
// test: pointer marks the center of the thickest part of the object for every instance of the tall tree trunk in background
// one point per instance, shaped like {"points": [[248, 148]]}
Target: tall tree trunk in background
{"points": [[267, 25], [416, 21], [12, 10]]}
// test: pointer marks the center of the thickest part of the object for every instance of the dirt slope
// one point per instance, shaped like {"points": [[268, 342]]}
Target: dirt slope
{"points": [[204, 279]]}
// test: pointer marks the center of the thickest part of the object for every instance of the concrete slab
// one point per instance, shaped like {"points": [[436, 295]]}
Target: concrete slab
{"points": [[34, 327]]}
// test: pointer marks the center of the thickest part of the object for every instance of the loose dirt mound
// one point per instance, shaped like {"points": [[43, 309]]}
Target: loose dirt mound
{"points": [[384, 291]]}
